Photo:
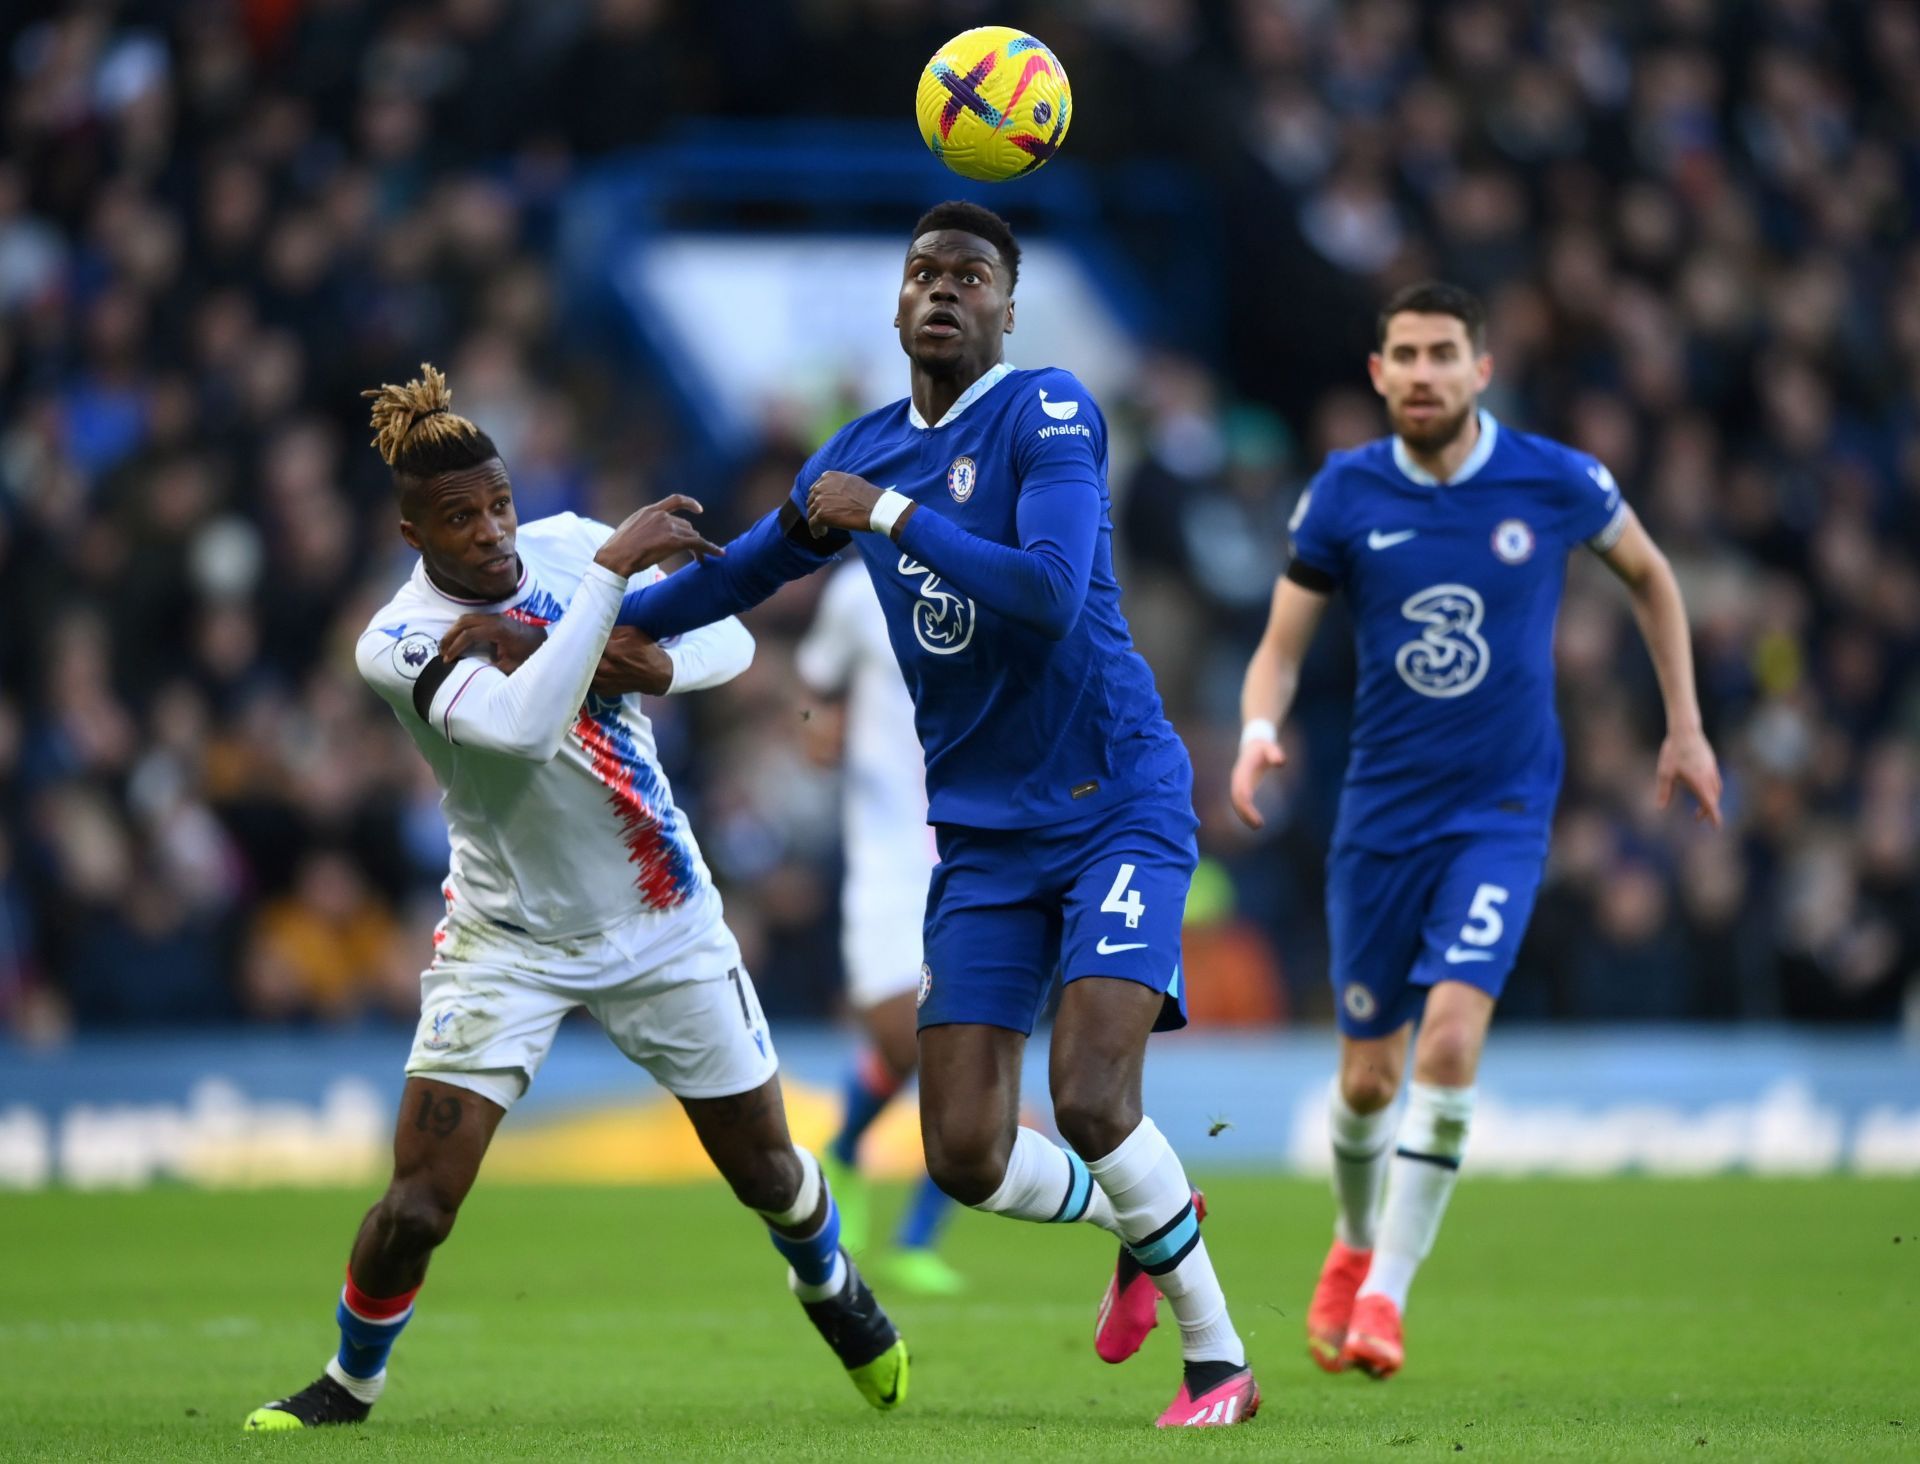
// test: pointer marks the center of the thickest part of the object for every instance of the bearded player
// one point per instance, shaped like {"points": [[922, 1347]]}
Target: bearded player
{"points": [[1450, 540], [1061, 800], [575, 882]]}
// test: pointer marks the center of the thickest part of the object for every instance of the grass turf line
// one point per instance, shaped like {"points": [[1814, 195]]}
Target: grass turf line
{"points": [[1730, 1318]]}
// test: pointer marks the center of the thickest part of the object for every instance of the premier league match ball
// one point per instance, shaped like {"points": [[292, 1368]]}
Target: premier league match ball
{"points": [[994, 104]]}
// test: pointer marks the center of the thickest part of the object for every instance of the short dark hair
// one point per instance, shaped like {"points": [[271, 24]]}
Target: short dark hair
{"points": [[971, 218], [1436, 297]]}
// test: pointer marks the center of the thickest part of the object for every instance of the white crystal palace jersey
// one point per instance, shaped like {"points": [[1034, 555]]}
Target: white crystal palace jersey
{"points": [[557, 848]]}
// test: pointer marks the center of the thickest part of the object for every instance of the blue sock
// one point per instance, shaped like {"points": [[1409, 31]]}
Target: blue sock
{"points": [[816, 1258], [869, 1088], [365, 1340], [920, 1226]]}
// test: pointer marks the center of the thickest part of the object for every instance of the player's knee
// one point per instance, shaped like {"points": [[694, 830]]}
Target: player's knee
{"points": [[1368, 1087], [967, 1166], [414, 1219], [1448, 1055], [1093, 1120]]}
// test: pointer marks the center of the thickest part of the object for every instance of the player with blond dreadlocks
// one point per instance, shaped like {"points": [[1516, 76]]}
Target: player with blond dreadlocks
{"points": [[574, 882]]}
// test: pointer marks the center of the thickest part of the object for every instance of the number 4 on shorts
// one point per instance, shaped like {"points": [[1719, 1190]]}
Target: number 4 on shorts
{"points": [[1123, 901]]}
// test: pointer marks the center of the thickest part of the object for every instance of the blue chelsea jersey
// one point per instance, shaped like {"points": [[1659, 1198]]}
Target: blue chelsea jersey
{"points": [[1019, 730], [1453, 589]]}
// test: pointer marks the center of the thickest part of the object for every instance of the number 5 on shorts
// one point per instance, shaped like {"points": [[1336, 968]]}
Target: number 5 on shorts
{"points": [[1484, 925], [1123, 901]]}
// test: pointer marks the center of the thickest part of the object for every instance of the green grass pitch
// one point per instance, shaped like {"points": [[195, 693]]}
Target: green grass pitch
{"points": [[1580, 1319]]}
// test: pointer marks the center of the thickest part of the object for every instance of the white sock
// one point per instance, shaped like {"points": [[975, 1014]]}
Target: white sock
{"points": [[1361, 1143], [367, 1390], [1433, 1137], [1153, 1204], [1050, 1184], [807, 1200], [832, 1286]]}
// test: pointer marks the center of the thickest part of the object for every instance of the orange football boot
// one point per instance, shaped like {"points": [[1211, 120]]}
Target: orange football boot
{"points": [[1332, 1306], [1373, 1341]]}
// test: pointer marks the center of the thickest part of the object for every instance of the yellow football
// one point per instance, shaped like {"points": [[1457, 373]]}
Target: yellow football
{"points": [[994, 103]]}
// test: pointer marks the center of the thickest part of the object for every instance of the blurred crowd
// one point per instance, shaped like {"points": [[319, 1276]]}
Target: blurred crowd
{"points": [[220, 220]]}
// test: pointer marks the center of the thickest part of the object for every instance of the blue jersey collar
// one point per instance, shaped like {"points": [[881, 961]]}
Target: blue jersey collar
{"points": [[967, 398], [1476, 460]]}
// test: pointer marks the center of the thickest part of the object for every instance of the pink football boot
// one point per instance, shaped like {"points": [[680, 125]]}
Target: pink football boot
{"points": [[1131, 1307], [1235, 1400]]}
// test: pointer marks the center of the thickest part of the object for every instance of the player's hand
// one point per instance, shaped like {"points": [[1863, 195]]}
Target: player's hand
{"points": [[506, 641], [654, 533], [1687, 758], [840, 501], [632, 661], [1248, 769]]}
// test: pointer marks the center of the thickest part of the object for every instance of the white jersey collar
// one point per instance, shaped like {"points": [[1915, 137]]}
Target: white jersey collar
{"points": [[967, 398], [1476, 460], [425, 582]]}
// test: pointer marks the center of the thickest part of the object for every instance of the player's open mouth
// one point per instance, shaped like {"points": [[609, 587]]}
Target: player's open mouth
{"points": [[499, 561], [942, 323]]}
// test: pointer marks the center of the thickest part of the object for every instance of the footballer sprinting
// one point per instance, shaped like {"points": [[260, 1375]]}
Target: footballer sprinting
{"points": [[1450, 541], [1060, 797], [866, 725], [575, 882]]}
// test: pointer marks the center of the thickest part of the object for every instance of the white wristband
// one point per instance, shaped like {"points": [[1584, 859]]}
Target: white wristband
{"points": [[886, 512], [1259, 729]]}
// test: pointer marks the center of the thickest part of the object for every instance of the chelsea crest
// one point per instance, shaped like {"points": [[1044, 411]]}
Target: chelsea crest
{"points": [[1513, 541], [960, 479]]}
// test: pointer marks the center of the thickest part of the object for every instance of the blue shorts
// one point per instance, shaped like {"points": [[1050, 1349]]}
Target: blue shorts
{"points": [[1008, 908], [1452, 910]]}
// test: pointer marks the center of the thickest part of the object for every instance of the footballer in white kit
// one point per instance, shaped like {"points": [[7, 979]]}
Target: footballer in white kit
{"points": [[867, 724], [575, 882]]}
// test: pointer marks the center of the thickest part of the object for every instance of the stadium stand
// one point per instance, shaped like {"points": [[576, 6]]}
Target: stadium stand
{"points": [[220, 221]]}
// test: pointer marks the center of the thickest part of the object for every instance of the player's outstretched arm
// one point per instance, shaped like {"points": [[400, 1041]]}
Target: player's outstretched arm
{"points": [[777, 549], [472, 703], [632, 661], [1041, 584], [1686, 757], [1266, 695], [710, 656]]}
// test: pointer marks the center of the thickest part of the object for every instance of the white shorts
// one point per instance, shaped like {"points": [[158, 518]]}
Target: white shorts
{"points": [[880, 939], [671, 992]]}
